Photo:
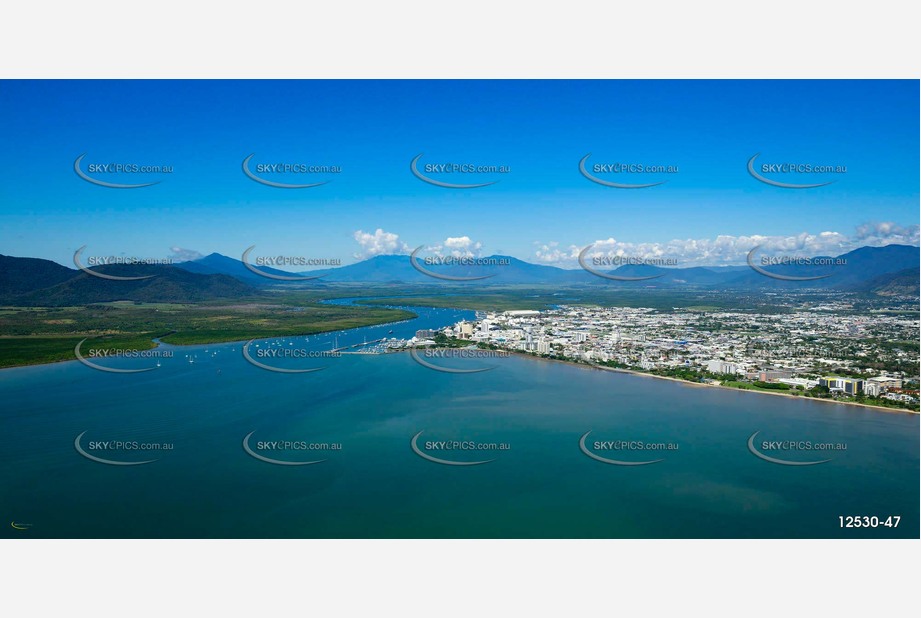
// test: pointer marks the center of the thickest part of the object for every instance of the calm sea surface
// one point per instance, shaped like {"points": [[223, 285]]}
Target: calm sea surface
{"points": [[542, 485]]}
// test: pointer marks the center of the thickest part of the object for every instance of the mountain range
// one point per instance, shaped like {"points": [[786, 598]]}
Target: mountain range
{"points": [[864, 269], [887, 271], [43, 283]]}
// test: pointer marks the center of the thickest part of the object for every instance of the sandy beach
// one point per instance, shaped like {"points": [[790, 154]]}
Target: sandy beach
{"points": [[705, 385]]}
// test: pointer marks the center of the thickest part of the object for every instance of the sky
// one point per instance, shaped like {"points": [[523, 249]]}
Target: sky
{"points": [[711, 211]]}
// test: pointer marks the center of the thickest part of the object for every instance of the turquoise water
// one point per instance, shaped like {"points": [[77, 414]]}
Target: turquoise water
{"points": [[376, 486]]}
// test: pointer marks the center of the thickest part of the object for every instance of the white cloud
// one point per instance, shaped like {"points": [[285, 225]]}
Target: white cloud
{"points": [[887, 233], [184, 255], [550, 253], [732, 250], [460, 246], [379, 243]]}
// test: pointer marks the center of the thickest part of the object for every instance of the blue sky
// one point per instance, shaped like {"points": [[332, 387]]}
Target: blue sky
{"points": [[711, 211]]}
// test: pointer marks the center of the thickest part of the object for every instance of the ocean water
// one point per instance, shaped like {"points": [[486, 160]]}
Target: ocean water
{"points": [[376, 486]]}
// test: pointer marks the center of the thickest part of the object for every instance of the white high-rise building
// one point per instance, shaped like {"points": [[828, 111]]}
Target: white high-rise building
{"points": [[721, 366]]}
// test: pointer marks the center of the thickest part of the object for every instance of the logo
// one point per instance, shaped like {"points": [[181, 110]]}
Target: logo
{"points": [[271, 183], [83, 360], [20, 526], [277, 462], [617, 168], [415, 264], [449, 167], [615, 462], [112, 168], [605, 275], [780, 445], [108, 446], [786, 167], [270, 275], [77, 263], [416, 357], [446, 462], [766, 273], [253, 361]]}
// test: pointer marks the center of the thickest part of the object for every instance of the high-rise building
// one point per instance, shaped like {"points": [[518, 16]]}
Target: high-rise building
{"points": [[721, 366], [849, 386]]}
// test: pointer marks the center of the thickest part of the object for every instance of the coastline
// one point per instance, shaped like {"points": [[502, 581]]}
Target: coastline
{"points": [[720, 386], [159, 343]]}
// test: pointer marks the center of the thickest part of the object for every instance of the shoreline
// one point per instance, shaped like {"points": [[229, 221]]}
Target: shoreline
{"points": [[157, 340], [720, 386], [158, 343]]}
